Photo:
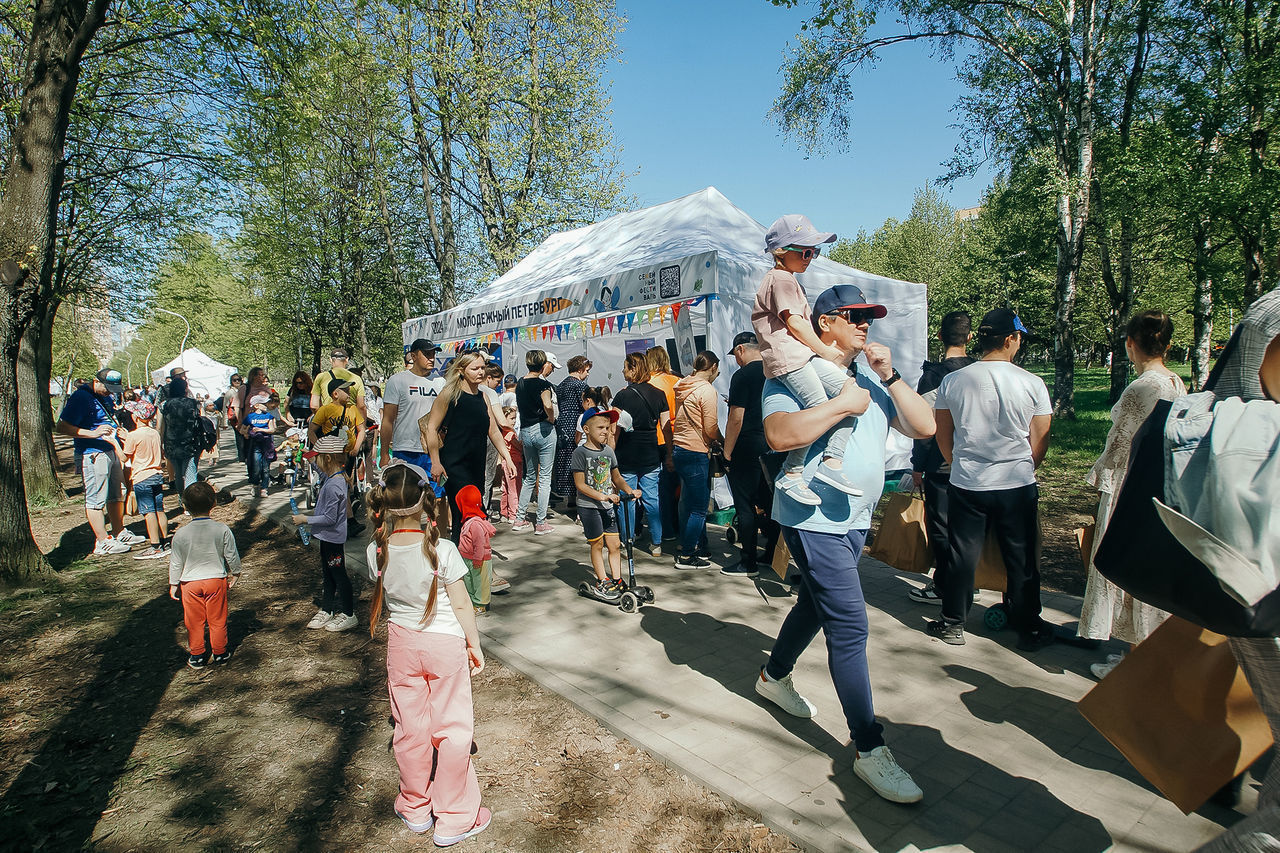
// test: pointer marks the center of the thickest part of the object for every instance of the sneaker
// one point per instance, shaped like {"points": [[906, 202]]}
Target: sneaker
{"points": [[197, 661], [692, 562], [655, 551], [482, 823], [798, 491], [499, 585], [738, 570], [1114, 658], [881, 771], [222, 658], [835, 478], [1037, 641], [606, 590], [155, 552], [928, 595], [418, 827], [522, 526], [1102, 670], [322, 618], [130, 538], [783, 694], [950, 633], [342, 622], [262, 493], [542, 529], [110, 546]]}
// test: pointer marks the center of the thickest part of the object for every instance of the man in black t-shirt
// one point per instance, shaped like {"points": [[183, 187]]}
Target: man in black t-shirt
{"points": [[930, 471], [744, 448]]}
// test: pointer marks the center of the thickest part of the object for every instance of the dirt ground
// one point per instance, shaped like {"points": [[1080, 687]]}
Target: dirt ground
{"points": [[113, 744]]}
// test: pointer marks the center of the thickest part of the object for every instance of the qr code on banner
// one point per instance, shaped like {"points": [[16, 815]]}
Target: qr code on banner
{"points": [[669, 282]]}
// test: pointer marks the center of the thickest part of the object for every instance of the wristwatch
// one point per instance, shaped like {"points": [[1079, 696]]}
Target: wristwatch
{"points": [[893, 377]]}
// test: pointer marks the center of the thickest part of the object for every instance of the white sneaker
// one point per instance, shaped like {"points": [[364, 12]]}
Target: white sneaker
{"points": [[835, 477], [880, 770], [798, 491], [342, 622], [322, 618], [783, 694], [1114, 658], [1102, 670], [110, 546], [130, 538]]}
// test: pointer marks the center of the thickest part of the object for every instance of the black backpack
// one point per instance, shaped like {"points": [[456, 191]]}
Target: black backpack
{"points": [[209, 435]]}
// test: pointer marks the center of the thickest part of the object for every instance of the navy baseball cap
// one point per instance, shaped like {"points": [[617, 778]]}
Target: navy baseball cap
{"points": [[1002, 321], [795, 229], [845, 296], [744, 338], [611, 414], [423, 346]]}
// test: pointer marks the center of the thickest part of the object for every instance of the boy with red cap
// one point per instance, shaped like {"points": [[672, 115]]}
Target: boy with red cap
{"points": [[473, 545], [595, 473]]}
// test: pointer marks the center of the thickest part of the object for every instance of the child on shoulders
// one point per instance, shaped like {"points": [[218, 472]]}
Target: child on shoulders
{"points": [[203, 565], [596, 475], [433, 648], [793, 353]]}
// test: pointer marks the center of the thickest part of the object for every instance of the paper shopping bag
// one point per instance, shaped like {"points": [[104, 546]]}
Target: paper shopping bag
{"points": [[1179, 709], [781, 557], [902, 541], [1084, 541]]}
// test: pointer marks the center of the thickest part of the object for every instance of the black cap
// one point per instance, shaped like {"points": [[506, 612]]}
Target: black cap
{"points": [[845, 296], [1002, 321], [338, 352], [424, 346], [335, 384], [741, 338]]}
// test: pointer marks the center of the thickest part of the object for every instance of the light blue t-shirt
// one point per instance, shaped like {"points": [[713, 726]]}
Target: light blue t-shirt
{"points": [[864, 458]]}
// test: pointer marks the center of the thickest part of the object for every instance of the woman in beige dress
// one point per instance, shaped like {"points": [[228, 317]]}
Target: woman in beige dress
{"points": [[1108, 611]]}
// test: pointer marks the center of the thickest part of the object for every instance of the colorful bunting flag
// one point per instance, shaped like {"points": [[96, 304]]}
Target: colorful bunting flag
{"points": [[610, 324], [675, 312]]}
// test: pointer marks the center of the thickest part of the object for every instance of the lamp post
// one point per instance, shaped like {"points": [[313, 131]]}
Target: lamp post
{"points": [[182, 348]]}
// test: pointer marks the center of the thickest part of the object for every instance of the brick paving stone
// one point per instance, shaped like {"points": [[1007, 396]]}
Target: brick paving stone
{"points": [[991, 734]]}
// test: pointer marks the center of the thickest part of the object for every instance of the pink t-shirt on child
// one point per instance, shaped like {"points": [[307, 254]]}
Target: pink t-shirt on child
{"points": [[780, 294], [473, 543]]}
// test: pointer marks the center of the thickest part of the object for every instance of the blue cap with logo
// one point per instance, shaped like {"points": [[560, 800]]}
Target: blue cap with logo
{"points": [[846, 296]]}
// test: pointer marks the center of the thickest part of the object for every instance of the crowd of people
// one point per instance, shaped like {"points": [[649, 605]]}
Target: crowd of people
{"points": [[443, 457]]}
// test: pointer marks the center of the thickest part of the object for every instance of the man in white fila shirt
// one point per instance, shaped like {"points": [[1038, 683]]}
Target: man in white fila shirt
{"points": [[408, 397]]}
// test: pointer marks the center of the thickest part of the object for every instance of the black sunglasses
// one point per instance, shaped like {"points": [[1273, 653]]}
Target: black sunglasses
{"points": [[856, 316]]}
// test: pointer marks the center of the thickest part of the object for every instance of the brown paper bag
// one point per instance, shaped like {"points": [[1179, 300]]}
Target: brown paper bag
{"points": [[1179, 709], [131, 503], [902, 541], [1084, 541], [781, 557]]}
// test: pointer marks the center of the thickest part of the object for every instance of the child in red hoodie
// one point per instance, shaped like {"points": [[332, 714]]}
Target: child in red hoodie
{"points": [[473, 545]]}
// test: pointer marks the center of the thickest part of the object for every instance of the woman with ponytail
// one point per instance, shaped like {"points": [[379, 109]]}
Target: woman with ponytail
{"points": [[1108, 611], [431, 643]]}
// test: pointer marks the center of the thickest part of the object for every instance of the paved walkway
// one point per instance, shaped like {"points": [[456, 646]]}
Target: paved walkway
{"points": [[990, 734]]}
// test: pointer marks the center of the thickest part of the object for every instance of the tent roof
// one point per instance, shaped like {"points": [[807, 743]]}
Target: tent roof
{"points": [[704, 221], [197, 365]]}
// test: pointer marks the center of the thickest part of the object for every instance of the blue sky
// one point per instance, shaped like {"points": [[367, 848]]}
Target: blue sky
{"points": [[690, 95]]}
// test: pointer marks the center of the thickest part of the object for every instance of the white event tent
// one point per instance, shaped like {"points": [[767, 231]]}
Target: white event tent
{"points": [[205, 375], [618, 285]]}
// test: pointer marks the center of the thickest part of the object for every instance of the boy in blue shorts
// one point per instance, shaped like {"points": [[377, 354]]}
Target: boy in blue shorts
{"points": [[598, 480]]}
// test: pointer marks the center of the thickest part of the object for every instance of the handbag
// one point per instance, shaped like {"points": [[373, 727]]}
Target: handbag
{"points": [[1140, 555], [902, 540], [1181, 712]]}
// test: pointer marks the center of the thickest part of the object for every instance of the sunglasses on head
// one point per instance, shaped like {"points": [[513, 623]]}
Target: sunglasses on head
{"points": [[807, 253], [856, 316]]}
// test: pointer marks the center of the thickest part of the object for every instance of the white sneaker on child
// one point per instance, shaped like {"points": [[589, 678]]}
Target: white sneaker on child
{"points": [[322, 618], [342, 622], [835, 477], [796, 490]]}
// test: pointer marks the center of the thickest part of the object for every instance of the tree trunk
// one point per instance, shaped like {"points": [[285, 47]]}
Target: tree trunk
{"points": [[60, 33], [35, 409], [1202, 311]]}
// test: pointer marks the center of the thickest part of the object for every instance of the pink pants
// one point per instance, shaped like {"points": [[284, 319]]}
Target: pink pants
{"points": [[430, 687], [511, 485]]}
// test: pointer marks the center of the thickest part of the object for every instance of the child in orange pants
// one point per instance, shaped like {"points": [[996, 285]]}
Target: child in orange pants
{"points": [[203, 564], [430, 647]]}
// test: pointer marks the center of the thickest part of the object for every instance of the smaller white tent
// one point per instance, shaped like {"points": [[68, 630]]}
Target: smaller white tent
{"points": [[205, 375]]}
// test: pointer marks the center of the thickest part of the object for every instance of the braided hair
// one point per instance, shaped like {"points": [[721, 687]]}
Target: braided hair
{"points": [[400, 494]]}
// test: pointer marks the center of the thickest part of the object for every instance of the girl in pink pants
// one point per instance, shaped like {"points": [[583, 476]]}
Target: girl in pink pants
{"points": [[432, 650]]}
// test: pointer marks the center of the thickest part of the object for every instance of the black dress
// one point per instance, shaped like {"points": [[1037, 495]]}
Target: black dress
{"points": [[462, 452]]}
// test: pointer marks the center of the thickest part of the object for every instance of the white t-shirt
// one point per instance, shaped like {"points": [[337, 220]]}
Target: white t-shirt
{"points": [[992, 403], [413, 397], [508, 398], [494, 399], [406, 584]]}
